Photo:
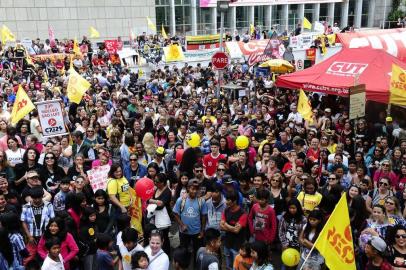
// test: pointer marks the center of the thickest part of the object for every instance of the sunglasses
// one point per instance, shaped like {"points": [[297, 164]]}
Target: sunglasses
{"points": [[221, 170], [383, 184], [198, 170], [390, 203], [33, 178], [385, 165], [48, 158], [133, 159], [403, 236], [332, 178]]}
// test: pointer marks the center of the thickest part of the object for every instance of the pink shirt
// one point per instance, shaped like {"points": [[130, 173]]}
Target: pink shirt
{"points": [[69, 249]]}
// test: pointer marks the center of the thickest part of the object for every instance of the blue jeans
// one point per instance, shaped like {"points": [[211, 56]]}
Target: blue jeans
{"points": [[230, 255]]}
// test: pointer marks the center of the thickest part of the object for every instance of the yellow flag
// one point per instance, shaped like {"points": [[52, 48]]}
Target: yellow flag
{"points": [[303, 106], [164, 35], [140, 73], [6, 35], [93, 32], [22, 106], [398, 86], [173, 53], [306, 24], [335, 240], [77, 86], [76, 49], [135, 211], [151, 25], [252, 29]]}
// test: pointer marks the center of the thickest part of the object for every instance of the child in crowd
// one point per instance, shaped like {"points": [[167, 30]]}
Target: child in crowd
{"points": [[54, 260], [60, 197], [129, 247], [139, 260], [104, 259], [243, 261]]}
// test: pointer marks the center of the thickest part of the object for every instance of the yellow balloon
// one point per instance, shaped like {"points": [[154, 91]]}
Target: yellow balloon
{"points": [[290, 257], [194, 140], [242, 142]]}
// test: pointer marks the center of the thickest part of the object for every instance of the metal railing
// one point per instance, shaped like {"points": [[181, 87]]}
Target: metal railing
{"points": [[391, 24]]}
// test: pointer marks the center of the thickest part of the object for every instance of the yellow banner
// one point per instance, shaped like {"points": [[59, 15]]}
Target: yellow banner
{"points": [[335, 240], [203, 38], [22, 106], [398, 86], [135, 211]]}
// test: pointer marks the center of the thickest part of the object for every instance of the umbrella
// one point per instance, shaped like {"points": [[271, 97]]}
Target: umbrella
{"points": [[278, 66]]}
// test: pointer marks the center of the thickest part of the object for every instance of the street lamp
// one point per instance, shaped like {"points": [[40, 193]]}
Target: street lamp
{"points": [[222, 6]]}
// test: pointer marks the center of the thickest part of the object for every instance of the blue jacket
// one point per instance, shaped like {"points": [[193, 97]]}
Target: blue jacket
{"points": [[142, 171]]}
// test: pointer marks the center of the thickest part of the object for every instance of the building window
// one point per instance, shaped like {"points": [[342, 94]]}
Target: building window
{"points": [[242, 17]]}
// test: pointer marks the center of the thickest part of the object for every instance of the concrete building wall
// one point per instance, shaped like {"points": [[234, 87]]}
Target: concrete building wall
{"points": [[72, 18]]}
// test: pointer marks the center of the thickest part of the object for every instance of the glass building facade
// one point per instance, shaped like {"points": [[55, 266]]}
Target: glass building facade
{"points": [[186, 16]]}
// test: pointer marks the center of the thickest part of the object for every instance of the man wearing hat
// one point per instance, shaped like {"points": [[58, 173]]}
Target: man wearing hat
{"points": [[191, 213], [375, 250]]}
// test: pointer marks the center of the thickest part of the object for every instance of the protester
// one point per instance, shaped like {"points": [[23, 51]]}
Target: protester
{"points": [[141, 122]]}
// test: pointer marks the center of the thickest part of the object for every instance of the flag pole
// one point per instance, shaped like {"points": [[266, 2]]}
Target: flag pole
{"points": [[308, 255]]}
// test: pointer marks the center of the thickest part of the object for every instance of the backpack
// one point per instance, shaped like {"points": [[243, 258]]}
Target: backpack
{"points": [[183, 203]]}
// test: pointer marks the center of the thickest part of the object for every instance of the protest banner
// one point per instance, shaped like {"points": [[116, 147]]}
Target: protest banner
{"points": [[112, 46], [98, 177], [202, 42], [51, 118]]}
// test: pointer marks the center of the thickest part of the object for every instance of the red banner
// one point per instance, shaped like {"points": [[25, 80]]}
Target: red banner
{"points": [[311, 54], [390, 40], [112, 46]]}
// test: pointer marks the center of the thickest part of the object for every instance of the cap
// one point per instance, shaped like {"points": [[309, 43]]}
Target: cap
{"points": [[160, 151], [327, 110], [389, 119], [378, 244], [234, 127], [193, 182]]}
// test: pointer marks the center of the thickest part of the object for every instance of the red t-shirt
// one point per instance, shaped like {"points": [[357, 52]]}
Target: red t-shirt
{"points": [[210, 163], [262, 223]]}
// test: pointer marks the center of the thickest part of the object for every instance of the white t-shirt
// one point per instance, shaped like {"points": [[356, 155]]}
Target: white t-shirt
{"points": [[34, 123], [15, 158], [158, 262], [126, 255], [50, 264]]}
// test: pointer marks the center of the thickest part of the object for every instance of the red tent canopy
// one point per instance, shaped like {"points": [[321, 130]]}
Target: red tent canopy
{"points": [[338, 73]]}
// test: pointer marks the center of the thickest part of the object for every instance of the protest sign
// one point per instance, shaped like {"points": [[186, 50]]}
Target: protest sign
{"points": [[51, 118], [98, 177]]}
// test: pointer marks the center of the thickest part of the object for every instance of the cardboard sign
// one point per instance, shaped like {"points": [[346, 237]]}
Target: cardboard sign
{"points": [[98, 177], [51, 118], [357, 102]]}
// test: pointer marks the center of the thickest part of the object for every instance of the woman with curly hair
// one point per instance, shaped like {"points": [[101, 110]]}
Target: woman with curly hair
{"points": [[114, 144]]}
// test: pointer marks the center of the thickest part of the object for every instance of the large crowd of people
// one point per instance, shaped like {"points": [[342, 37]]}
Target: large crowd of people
{"points": [[230, 206]]}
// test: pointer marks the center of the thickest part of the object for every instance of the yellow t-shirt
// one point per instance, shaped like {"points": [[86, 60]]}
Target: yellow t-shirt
{"points": [[310, 201], [122, 188]]}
